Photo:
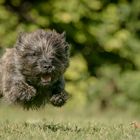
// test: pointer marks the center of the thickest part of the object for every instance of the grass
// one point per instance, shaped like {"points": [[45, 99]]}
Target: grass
{"points": [[57, 124], [45, 130]]}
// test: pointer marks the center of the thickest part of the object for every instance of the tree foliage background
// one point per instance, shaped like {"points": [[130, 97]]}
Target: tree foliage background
{"points": [[105, 46]]}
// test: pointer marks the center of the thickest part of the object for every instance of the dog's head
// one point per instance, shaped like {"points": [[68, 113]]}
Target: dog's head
{"points": [[42, 55]]}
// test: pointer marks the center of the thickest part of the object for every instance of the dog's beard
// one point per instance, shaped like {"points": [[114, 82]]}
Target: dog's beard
{"points": [[40, 80]]}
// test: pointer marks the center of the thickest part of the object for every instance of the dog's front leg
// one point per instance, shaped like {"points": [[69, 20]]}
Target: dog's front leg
{"points": [[59, 95]]}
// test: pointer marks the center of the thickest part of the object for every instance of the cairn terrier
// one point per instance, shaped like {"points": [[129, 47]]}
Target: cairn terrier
{"points": [[31, 73]]}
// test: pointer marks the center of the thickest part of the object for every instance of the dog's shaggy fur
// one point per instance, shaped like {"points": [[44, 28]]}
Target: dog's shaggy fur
{"points": [[31, 73]]}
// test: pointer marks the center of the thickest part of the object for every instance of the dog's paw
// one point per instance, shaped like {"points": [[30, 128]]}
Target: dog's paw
{"points": [[26, 92], [58, 100]]}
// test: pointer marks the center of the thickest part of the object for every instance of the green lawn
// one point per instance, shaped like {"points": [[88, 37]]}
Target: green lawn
{"points": [[46, 130], [56, 124]]}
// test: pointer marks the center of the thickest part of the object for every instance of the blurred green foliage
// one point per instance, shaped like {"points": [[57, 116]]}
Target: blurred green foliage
{"points": [[104, 35]]}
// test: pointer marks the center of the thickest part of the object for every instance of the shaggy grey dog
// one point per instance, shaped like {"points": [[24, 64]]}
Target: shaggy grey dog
{"points": [[31, 73]]}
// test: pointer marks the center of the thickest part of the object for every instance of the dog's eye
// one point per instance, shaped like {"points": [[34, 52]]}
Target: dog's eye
{"points": [[59, 56], [32, 54], [35, 54]]}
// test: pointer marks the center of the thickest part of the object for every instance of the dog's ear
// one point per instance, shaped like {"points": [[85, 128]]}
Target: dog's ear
{"points": [[20, 41], [63, 35], [67, 48], [66, 44], [21, 37], [54, 31]]}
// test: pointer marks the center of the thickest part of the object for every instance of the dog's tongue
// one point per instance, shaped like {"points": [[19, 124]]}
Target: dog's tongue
{"points": [[46, 78]]}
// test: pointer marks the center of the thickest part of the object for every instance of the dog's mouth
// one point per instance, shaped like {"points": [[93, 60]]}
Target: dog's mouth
{"points": [[46, 79]]}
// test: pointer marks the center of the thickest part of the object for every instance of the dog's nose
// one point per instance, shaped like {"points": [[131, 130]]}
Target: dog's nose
{"points": [[46, 66]]}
